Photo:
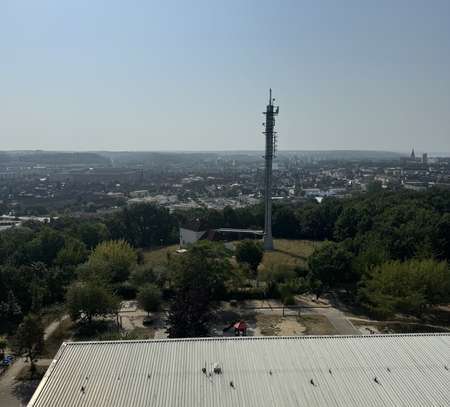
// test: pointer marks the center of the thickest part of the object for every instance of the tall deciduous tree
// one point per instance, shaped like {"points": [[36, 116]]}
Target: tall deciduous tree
{"points": [[331, 264], [74, 252], [29, 339], [113, 260], [197, 278], [149, 298], [250, 252], [87, 300]]}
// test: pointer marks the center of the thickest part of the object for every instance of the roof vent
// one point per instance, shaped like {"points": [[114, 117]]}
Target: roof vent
{"points": [[217, 369]]}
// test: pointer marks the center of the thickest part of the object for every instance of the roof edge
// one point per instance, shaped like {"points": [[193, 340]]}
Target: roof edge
{"points": [[254, 338]]}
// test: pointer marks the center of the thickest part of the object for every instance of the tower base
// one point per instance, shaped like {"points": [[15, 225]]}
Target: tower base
{"points": [[268, 243]]}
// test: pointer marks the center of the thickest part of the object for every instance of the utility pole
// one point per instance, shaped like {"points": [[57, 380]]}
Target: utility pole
{"points": [[271, 143]]}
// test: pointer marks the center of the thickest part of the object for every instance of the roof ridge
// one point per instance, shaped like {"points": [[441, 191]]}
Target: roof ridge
{"points": [[253, 338]]}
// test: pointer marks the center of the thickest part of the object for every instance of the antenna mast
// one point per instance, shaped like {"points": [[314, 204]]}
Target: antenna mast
{"points": [[271, 143]]}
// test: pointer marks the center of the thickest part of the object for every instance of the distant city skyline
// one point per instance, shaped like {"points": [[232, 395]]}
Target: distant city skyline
{"points": [[180, 76]]}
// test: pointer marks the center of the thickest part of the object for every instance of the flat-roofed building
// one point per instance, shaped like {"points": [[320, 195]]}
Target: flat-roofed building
{"points": [[376, 370]]}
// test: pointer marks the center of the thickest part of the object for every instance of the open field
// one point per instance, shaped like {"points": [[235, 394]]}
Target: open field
{"points": [[287, 252], [158, 257], [317, 325]]}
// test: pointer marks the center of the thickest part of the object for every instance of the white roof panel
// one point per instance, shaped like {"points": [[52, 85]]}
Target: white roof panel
{"points": [[376, 370]]}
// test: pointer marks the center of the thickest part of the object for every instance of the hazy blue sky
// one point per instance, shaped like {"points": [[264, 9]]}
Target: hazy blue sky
{"points": [[164, 75]]}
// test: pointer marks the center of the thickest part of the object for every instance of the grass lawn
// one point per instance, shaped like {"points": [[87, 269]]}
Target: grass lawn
{"points": [[158, 257], [317, 325], [290, 253]]}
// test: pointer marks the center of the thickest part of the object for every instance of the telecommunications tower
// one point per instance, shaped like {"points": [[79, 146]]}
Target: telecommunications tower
{"points": [[271, 143]]}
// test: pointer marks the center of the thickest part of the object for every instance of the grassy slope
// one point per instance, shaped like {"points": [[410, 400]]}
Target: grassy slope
{"points": [[157, 257], [289, 252]]}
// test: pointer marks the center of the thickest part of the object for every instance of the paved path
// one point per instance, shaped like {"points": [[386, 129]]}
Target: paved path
{"points": [[338, 319], [14, 394]]}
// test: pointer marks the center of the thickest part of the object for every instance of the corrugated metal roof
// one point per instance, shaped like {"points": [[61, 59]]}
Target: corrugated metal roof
{"points": [[376, 370]]}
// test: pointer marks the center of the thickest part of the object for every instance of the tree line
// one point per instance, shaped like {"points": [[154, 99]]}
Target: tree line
{"points": [[388, 250]]}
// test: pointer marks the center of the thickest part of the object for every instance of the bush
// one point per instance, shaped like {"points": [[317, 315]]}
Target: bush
{"points": [[288, 300], [114, 260], [149, 298], [252, 293], [88, 300], [249, 252], [142, 274], [126, 291], [407, 287]]}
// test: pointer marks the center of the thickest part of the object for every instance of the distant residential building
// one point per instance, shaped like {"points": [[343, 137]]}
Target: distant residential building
{"points": [[415, 185], [139, 194]]}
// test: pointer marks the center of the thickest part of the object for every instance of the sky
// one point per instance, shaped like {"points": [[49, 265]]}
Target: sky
{"points": [[194, 75]]}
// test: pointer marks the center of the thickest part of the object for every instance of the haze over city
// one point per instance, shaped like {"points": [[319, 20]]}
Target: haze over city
{"points": [[109, 75]]}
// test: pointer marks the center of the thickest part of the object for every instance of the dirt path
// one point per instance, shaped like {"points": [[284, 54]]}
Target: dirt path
{"points": [[14, 394]]}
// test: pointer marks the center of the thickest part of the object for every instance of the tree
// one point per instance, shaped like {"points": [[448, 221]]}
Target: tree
{"points": [[442, 239], [29, 339], [143, 225], [250, 252], [87, 300], [346, 224], [113, 260], [93, 233], [149, 298], [3, 345], [406, 287], [45, 246], [74, 252], [10, 309], [285, 222], [141, 275], [331, 264], [197, 279]]}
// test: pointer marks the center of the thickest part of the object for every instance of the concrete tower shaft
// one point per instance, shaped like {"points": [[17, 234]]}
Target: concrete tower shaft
{"points": [[270, 113]]}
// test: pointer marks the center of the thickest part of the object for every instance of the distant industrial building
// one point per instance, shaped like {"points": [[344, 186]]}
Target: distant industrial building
{"points": [[190, 236], [313, 371]]}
